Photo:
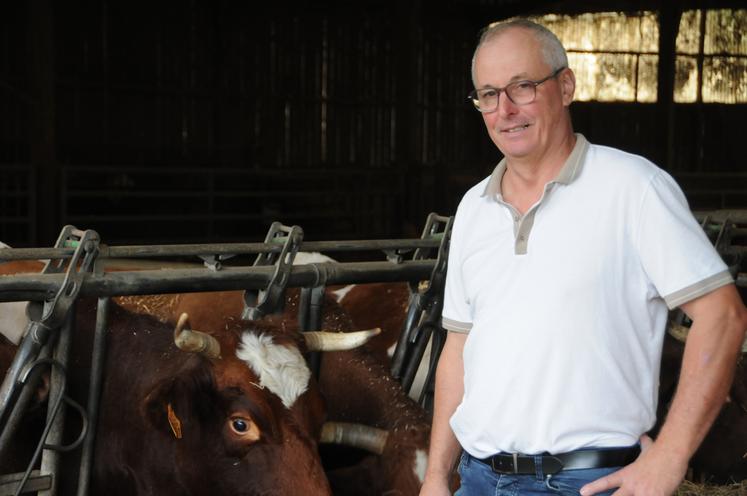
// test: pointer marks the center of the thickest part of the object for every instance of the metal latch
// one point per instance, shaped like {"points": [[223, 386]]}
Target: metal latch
{"points": [[258, 303]]}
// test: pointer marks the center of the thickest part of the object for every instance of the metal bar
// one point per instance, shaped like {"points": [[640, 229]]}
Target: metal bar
{"points": [[50, 463], [18, 408], [423, 335], [181, 250], [21, 287], [36, 482], [33, 341], [94, 394]]}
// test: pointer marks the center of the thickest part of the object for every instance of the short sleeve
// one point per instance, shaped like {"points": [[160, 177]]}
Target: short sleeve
{"points": [[677, 256], [457, 312]]}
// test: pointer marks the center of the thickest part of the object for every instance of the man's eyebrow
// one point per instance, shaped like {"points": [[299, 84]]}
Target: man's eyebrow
{"points": [[522, 76]]}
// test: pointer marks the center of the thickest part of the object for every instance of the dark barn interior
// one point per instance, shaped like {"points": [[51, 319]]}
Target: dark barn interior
{"points": [[155, 122]]}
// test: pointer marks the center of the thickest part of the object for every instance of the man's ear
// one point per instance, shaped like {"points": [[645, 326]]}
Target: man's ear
{"points": [[567, 81]]}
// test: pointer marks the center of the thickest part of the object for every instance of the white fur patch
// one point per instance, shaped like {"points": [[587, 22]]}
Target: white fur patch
{"points": [[421, 462], [13, 320], [3, 245], [281, 369]]}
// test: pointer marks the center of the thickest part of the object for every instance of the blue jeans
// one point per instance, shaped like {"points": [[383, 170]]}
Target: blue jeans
{"points": [[478, 479]]}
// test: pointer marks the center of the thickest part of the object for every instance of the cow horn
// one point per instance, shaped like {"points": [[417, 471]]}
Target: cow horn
{"points": [[338, 341], [194, 341], [354, 435], [680, 332]]}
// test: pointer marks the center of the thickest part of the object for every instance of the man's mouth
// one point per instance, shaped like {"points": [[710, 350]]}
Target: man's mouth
{"points": [[515, 129]]}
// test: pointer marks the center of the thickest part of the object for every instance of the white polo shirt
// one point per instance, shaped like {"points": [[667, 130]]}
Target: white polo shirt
{"points": [[566, 306]]}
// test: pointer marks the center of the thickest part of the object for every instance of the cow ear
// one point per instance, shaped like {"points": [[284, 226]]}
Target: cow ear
{"points": [[163, 410], [176, 402]]}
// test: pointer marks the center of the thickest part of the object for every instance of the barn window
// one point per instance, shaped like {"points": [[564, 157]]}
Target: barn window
{"points": [[711, 63], [614, 55]]}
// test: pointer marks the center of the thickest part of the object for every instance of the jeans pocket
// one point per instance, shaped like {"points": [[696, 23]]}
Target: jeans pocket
{"points": [[570, 482], [463, 461]]}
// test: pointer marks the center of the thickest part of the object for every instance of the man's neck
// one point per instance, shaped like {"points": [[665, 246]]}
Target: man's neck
{"points": [[524, 181]]}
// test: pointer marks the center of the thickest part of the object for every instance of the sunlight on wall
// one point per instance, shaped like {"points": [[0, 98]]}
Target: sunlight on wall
{"points": [[615, 55], [716, 45]]}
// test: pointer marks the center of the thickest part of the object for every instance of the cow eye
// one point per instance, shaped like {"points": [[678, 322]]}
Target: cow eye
{"points": [[239, 425], [242, 428]]}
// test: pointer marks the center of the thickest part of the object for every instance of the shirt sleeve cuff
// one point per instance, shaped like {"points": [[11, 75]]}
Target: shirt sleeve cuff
{"points": [[673, 300], [455, 325]]}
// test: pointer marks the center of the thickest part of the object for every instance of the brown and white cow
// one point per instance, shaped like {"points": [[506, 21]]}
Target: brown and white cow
{"points": [[180, 423], [357, 388], [375, 398], [226, 425]]}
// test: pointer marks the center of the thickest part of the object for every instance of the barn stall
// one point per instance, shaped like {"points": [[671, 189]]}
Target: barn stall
{"points": [[208, 122], [76, 271]]}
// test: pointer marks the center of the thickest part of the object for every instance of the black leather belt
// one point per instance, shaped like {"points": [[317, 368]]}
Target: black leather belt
{"points": [[507, 463]]}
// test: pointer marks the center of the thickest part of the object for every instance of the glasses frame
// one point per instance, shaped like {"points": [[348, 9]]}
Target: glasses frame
{"points": [[473, 94]]}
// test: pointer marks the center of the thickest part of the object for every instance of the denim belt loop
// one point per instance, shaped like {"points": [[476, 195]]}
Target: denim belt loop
{"points": [[538, 469]]}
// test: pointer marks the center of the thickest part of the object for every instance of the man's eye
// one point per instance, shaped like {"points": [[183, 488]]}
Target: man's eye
{"points": [[523, 85], [488, 94]]}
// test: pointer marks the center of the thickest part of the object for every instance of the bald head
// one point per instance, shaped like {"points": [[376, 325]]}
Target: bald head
{"points": [[553, 52]]}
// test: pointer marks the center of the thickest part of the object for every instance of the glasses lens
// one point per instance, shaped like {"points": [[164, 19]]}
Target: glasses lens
{"points": [[521, 92], [486, 100]]}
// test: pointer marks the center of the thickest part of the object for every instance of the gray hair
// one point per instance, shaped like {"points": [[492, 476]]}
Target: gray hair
{"points": [[552, 49]]}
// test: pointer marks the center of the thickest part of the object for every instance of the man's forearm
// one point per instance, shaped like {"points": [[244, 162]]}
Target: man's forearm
{"points": [[707, 372], [444, 448]]}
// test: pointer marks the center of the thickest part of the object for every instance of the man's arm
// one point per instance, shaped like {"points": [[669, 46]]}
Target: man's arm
{"points": [[444, 447], [713, 344]]}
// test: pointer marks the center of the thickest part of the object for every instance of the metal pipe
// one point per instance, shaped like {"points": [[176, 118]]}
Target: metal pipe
{"points": [[94, 393], [35, 337], [313, 323], [18, 408], [50, 463], [417, 349], [404, 341], [41, 286], [150, 251]]}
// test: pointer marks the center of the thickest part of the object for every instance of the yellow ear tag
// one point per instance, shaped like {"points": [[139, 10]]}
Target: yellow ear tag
{"points": [[174, 422]]}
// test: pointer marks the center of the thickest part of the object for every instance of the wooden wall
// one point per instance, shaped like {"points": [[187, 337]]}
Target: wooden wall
{"points": [[206, 121]]}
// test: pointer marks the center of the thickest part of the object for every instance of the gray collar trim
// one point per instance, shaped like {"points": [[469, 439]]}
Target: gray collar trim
{"points": [[570, 171]]}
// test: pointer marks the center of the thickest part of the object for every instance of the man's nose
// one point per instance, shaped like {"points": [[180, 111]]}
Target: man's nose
{"points": [[505, 105]]}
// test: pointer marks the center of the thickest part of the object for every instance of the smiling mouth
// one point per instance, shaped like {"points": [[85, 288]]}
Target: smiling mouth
{"points": [[515, 129]]}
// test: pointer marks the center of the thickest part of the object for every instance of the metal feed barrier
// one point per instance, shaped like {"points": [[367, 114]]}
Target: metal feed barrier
{"points": [[75, 268]]}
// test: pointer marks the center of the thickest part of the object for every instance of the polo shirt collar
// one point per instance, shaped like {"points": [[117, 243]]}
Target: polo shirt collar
{"points": [[568, 173]]}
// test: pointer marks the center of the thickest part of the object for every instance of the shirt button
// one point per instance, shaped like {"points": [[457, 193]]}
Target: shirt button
{"points": [[521, 238]]}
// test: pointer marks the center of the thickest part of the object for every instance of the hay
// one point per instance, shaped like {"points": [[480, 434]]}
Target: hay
{"points": [[691, 489]]}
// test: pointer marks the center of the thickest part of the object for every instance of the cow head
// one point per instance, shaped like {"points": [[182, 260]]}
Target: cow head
{"points": [[185, 424]]}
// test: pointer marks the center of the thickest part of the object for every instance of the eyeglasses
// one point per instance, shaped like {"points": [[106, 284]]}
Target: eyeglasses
{"points": [[519, 92]]}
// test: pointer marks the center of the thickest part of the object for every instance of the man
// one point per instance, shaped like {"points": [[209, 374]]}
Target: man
{"points": [[562, 268]]}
